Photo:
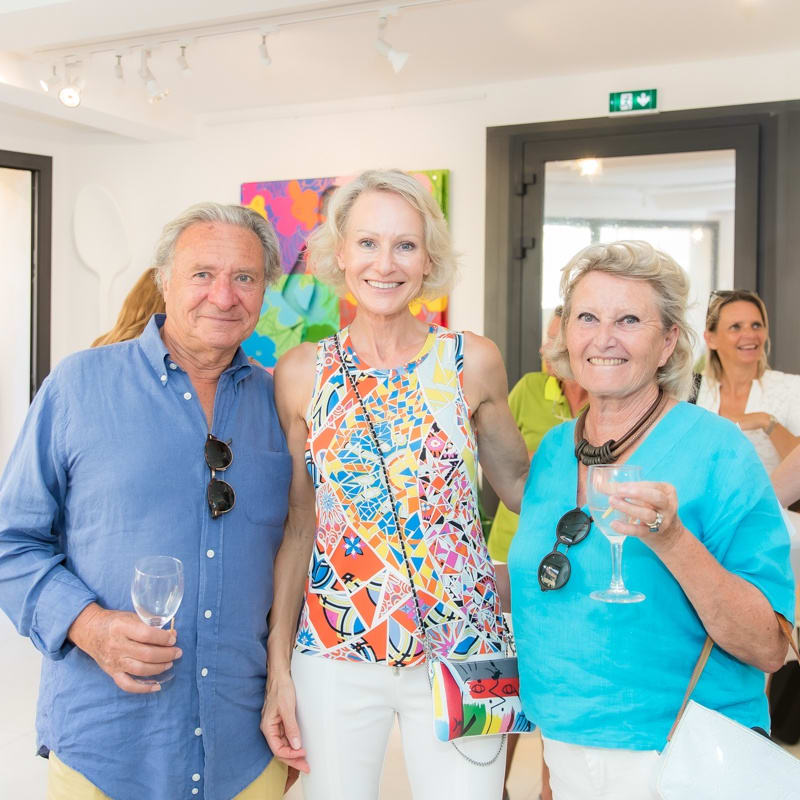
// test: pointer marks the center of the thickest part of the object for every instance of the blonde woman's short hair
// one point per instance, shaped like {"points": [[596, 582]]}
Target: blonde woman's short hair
{"points": [[640, 261], [325, 242], [718, 300]]}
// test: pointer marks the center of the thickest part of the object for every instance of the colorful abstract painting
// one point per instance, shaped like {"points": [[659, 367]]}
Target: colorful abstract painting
{"points": [[299, 308]]}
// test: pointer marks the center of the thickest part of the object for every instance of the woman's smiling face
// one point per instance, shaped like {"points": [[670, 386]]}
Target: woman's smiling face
{"points": [[740, 336], [383, 253], [615, 336]]}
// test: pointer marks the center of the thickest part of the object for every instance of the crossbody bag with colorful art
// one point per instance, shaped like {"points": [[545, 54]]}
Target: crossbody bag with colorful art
{"points": [[477, 696]]}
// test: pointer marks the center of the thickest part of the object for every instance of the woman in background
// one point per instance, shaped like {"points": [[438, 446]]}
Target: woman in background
{"points": [[737, 382], [539, 401], [142, 302]]}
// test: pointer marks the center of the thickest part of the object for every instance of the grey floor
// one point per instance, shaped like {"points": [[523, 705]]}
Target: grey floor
{"points": [[24, 777]]}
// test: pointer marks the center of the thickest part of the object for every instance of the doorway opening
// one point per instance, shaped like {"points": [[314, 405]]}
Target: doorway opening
{"points": [[25, 240]]}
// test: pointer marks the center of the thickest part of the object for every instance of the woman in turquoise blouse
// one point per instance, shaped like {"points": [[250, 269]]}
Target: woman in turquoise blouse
{"points": [[706, 543]]}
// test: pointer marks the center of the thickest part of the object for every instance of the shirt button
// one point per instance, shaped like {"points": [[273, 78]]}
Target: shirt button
{"points": [[204, 672], [210, 553], [187, 395], [163, 379], [198, 731], [207, 614], [173, 366], [196, 777], [195, 790]]}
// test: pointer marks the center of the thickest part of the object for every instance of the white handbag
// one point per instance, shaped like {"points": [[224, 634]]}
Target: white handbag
{"points": [[709, 756]]}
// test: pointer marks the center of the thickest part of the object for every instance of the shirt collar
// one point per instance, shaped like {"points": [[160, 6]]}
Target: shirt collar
{"points": [[552, 390], [157, 355]]}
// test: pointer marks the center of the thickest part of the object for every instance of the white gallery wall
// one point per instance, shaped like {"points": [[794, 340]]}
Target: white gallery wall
{"points": [[153, 181]]}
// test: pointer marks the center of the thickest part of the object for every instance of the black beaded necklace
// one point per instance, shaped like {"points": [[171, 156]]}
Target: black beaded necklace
{"points": [[609, 452]]}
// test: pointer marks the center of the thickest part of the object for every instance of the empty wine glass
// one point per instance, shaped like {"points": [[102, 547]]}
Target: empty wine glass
{"points": [[157, 591], [601, 483]]}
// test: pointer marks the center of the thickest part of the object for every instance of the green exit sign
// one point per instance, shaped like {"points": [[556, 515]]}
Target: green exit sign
{"points": [[638, 100]]}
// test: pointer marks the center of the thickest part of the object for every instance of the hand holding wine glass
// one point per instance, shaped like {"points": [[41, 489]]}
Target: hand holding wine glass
{"points": [[157, 592], [602, 482]]}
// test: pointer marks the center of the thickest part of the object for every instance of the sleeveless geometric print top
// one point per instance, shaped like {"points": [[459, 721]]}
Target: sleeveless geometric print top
{"points": [[358, 604]]}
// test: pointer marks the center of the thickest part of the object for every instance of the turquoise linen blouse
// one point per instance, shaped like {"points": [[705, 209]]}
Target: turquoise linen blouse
{"points": [[614, 675]]}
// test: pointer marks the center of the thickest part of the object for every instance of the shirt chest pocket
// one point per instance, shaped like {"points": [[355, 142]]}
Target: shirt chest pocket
{"points": [[261, 482]]}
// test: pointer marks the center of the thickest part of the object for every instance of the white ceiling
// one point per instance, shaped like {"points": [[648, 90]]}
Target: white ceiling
{"points": [[453, 44]]}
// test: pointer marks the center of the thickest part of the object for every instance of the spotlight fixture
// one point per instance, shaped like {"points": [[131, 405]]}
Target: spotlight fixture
{"points": [[186, 70], [118, 72], [263, 53], [70, 94], [396, 58], [589, 167], [49, 84], [155, 94]]}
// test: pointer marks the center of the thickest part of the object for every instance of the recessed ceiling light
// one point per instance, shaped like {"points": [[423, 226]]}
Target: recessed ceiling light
{"points": [[588, 167]]}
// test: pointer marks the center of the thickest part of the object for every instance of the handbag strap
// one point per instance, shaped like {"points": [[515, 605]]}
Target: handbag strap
{"points": [[696, 673], [508, 638], [786, 629]]}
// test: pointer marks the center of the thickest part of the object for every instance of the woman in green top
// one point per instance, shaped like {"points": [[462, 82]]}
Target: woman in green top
{"points": [[539, 401]]}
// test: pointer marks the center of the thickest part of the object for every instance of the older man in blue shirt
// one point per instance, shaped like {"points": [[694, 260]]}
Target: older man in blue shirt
{"points": [[125, 454]]}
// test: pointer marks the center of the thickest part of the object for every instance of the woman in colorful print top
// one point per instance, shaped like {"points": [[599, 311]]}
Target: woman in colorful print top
{"points": [[433, 397]]}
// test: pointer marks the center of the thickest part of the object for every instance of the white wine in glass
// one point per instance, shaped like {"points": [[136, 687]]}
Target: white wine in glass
{"points": [[601, 483], [157, 592]]}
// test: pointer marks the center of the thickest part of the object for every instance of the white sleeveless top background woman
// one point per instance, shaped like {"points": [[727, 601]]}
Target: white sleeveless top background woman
{"points": [[775, 393]]}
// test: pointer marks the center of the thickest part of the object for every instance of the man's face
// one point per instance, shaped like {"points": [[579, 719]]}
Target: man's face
{"points": [[214, 292]]}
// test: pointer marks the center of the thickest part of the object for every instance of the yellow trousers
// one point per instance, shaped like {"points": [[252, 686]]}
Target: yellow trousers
{"points": [[64, 783]]}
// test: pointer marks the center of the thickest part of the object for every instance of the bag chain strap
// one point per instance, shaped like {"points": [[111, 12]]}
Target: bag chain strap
{"points": [[427, 648]]}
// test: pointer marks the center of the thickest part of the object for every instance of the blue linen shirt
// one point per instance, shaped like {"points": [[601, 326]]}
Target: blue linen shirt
{"points": [[613, 675], [110, 467]]}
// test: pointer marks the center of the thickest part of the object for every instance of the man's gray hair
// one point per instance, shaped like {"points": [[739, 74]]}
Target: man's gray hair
{"points": [[229, 215]]}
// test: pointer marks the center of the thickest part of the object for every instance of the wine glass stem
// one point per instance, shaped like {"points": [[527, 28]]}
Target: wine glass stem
{"points": [[616, 567]]}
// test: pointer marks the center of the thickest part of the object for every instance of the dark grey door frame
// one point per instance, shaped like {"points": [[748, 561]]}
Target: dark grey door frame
{"points": [[41, 169], [767, 244]]}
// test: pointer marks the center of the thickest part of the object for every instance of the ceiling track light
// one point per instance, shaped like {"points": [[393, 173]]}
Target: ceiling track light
{"points": [[155, 94], [397, 58], [49, 84], [186, 70], [70, 93], [263, 53], [118, 71]]}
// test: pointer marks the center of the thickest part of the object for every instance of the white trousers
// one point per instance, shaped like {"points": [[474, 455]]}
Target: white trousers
{"points": [[600, 773], [346, 712]]}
